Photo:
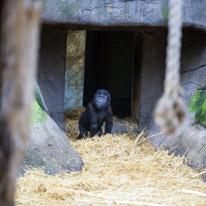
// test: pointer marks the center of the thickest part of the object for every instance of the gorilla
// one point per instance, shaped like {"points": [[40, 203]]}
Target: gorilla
{"points": [[97, 112]]}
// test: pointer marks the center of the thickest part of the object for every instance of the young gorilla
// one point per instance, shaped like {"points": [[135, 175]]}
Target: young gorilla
{"points": [[98, 111]]}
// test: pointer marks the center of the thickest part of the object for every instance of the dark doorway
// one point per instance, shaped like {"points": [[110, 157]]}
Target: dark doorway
{"points": [[109, 65]]}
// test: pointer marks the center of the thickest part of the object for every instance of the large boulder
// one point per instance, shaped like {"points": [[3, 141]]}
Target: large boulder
{"points": [[48, 147], [122, 13]]}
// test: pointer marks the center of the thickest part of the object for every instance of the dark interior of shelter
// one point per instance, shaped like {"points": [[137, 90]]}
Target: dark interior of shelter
{"points": [[109, 63]]}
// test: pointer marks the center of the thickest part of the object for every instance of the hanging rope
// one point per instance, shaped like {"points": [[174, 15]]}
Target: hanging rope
{"points": [[170, 110]]}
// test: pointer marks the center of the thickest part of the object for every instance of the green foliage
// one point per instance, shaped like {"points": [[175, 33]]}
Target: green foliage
{"points": [[198, 105], [38, 115]]}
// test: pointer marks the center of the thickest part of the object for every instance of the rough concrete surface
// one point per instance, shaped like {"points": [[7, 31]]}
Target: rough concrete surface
{"points": [[193, 71], [122, 13], [51, 71], [74, 76]]}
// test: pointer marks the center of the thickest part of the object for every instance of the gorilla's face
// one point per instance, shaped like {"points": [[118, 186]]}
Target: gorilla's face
{"points": [[101, 99]]}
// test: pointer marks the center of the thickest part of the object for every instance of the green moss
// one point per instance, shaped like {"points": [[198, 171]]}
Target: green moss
{"points": [[165, 13], [37, 96], [38, 115], [198, 105]]}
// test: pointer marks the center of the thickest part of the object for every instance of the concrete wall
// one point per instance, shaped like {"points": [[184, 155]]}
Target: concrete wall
{"points": [[189, 139], [120, 13], [152, 76], [74, 76], [193, 73], [193, 62], [51, 71]]}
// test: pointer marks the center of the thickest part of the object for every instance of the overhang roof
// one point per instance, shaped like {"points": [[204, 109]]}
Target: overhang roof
{"points": [[122, 13]]}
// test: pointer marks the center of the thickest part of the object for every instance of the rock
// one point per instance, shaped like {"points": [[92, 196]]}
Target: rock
{"points": [[121, 126], [122, 13], [48, 147]]}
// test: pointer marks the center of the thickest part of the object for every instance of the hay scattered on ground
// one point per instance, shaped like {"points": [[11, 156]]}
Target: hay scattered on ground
{"points": [[116, 173], [74, 114], [71, 121], [119, 170]]}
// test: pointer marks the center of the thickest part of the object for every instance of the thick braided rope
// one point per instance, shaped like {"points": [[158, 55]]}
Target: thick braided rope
{"points": [[170, 109]]}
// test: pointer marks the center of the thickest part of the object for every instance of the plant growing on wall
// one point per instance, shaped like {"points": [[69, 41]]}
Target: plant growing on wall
{"points": [[198, 105]]}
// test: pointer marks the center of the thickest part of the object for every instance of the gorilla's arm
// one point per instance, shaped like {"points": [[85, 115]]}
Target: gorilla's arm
{"points": [[109, 121], [92, 119]]}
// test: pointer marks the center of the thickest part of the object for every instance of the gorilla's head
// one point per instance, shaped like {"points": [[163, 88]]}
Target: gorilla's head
{"points": [[101, 99]]}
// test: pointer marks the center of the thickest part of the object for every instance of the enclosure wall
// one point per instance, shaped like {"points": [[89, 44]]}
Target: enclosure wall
{"points": [[51, 73]]}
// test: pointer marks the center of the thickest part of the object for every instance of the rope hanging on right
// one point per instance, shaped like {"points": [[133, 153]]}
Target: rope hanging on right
{"points": [[170, 110]]}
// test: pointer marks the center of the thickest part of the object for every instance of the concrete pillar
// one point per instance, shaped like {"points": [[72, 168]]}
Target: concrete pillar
{"points": [[74, 76], [51, 71]]}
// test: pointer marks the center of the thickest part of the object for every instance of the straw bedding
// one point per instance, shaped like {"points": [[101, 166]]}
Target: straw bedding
{"points": [[117, 172]]}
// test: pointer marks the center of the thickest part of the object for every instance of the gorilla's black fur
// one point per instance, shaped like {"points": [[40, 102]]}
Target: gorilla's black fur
{"points": [[98, 111]]}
